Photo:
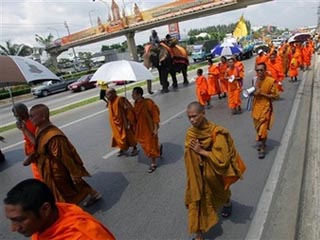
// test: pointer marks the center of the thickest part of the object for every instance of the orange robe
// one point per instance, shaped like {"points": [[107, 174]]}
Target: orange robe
{"points": [[298, 55], [239, 65], [234, 88], [147, 116], [29, 147], [294, 66], [122, 121], [262, 111], [261, 59], [285, 55], [58, 163], [206, 190], [213, 80], [275, 70], [223, 82], [307, 55], [74, 224], [202, 90]]}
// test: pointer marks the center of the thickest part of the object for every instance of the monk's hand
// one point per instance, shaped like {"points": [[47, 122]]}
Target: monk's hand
{"points": [[257, 91], [195, 145]]}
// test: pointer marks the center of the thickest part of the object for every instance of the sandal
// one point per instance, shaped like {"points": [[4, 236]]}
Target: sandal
{"points": [[134, 152], [261, 154], [122, 152], [226, 211], [92, 199], [152, 168]]}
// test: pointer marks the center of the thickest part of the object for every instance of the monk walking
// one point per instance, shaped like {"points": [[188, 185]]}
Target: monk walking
{"points": [[24, 123], [122, 120], [262, 110], [261, 57], [234, 76], [222, 66], [213, 79], [275, 70], [294, 65], [202, 89], [33, 212], [146, 127], [211, 161], [58, 162], [307, 52]]}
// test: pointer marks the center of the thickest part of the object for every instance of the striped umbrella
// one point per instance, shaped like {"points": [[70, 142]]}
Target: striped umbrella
{"points": [[226, 49]]}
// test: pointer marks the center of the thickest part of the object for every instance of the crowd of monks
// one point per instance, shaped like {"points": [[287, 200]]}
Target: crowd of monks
{"points": [[226, 78]]}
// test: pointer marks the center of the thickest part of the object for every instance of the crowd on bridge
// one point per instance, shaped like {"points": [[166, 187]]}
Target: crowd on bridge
{"points": [[45, 207]]}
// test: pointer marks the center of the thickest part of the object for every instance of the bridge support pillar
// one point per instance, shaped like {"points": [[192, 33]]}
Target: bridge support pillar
{"points": [[132, 46]]}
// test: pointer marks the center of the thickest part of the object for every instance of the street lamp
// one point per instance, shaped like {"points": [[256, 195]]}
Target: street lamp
{"points": [[74, 52]]}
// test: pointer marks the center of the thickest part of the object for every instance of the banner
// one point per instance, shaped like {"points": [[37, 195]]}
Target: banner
{"points": [[174, 30]]}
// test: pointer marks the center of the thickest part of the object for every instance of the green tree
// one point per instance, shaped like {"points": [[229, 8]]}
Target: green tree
{"points": [[85, 58], [44, 41], [15, 49]]}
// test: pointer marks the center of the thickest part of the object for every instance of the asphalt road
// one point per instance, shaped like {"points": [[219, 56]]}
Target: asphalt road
{"points": [[142, 206]]}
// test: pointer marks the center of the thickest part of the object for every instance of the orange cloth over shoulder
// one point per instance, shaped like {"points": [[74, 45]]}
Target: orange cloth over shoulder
{"points": [[261, 59], [275, 70], [223, 82], [29, 147], [74, 224], [147, 115], [213, 80], [121, 115], [202, 90], [234, 88]]}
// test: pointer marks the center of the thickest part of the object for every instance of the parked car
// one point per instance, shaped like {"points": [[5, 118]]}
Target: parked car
{"points": [[202, 51], [49, 87], [83, 83]]}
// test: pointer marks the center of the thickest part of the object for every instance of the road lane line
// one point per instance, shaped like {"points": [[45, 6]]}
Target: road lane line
{"points": [[162, 123], [63, 126], [259, 219]]}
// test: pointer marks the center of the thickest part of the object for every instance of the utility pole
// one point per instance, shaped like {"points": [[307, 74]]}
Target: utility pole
{"points": [[75, 61]]}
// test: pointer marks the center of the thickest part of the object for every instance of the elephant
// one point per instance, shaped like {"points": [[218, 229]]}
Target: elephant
{"points": [[160, 57]]}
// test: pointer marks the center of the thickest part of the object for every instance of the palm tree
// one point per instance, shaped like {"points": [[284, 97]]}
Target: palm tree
{"points": [[15, 49], [45, 41]]}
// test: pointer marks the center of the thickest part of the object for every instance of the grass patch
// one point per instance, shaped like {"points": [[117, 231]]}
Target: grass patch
{"points": [[87, 101]]}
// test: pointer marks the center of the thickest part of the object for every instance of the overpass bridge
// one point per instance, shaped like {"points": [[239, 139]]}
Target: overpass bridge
{"points": [[187, 11]]}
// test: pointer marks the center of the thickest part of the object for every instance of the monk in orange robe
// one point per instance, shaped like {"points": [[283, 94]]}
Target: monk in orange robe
{"points": [[122, 122], [234, 75], [33, 212], [213, 79], [21, 112], [240, 67], [261, 57], [59, 163], [262, 110], [294, 65], [202, 89], [146, 126], [298, 54], [284, 53], [274, 69], [307, 52], [222, 66], [211, 160]]}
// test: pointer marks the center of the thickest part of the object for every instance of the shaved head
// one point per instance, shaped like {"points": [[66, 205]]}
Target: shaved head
{"points": [[39, 115], [196, 106], [111, 93]]}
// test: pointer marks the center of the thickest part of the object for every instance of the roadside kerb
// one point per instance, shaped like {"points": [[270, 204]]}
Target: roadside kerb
{"points": [[309, 218]]}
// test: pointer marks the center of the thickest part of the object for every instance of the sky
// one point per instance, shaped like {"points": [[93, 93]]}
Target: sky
{"points": [[20, 20]]}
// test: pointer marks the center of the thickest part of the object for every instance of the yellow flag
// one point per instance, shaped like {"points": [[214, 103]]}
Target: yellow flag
{"points": [[241, 29]]}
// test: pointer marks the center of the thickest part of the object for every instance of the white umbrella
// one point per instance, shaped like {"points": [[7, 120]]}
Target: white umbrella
{"points": [[15, 70], [122, 70], [299, 37]]}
